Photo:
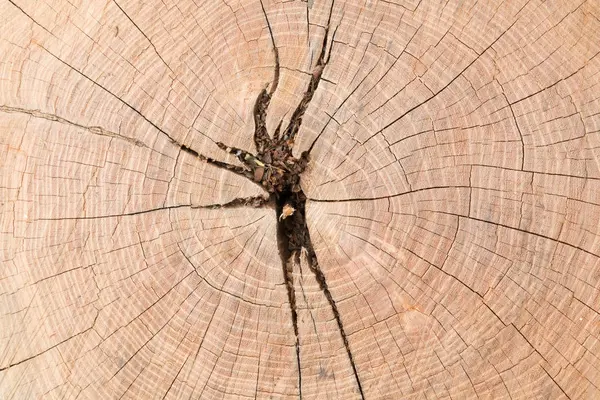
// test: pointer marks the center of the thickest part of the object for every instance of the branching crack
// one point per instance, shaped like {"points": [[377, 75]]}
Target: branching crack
{"points": [[293, 238], [285, 235], [276, 169], [273, 167]]}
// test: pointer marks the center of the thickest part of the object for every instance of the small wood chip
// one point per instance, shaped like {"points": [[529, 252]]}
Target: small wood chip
{"points": [[287, 211]]}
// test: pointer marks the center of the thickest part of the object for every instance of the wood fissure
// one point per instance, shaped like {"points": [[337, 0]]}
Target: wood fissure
{"points": [[285, 239], [276, 169], [432, 169]]}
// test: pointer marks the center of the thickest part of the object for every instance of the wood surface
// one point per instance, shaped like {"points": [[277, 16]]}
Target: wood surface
{"points": [[452, 200]]}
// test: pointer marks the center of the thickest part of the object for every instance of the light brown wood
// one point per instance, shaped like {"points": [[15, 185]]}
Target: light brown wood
{"points": [[453, 200]]}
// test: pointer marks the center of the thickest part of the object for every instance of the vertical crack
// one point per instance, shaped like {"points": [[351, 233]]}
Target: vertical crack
{"points": [[261, 136], [316, 269], [292, 236], [285, 244], [276, 169], [296, 119], [275, 52]]}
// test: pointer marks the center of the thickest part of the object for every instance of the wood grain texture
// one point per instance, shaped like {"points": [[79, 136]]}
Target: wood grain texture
{"points": [[453, 200]]}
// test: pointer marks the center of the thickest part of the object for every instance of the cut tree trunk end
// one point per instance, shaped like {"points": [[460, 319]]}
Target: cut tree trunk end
{"points": [[301, 199]]}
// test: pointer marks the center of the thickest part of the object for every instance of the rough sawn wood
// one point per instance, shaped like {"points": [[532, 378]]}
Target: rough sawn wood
{"points": [[445, 239]]}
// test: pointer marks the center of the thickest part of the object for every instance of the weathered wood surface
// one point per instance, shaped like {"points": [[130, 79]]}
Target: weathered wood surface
{"points": [[453, 200]]}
